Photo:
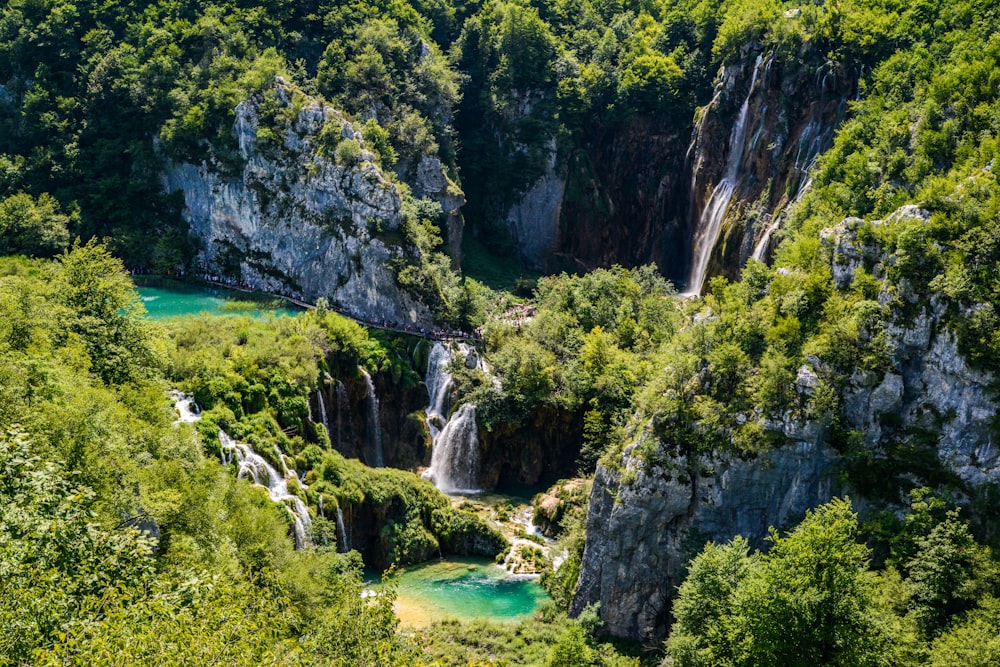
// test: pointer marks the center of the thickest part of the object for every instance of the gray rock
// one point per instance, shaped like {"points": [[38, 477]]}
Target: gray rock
{"points": [[641, 533], [888, 396], [534, 220], [648, 518], [297, 222]]}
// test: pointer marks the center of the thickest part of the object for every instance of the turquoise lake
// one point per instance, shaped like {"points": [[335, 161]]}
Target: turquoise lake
{"points": [[179, 300], [464, 588]]}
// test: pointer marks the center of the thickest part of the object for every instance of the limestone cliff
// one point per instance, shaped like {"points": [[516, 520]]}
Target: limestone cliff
{"points": [[636, 190], [793, 106], [291, 219], [925, 420]]}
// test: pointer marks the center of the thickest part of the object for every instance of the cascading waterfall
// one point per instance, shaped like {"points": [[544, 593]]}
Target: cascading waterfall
{"points": [[322, 410], [455, 459], [251, 464], [343, 544], [187, 410], [816, 135], [439, 384], [707, 233], [375, 430]]}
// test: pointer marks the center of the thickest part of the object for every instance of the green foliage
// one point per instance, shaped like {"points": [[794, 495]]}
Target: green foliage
{"points": [[809, 601], [32, 227], [60, 565]]}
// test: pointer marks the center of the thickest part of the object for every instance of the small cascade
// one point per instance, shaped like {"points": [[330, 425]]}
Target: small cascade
{"points": [[187, 410], [251, 464], [455, 459], [341, 410], [321, 512], [343, 544], [710, 222], [376, 459]]}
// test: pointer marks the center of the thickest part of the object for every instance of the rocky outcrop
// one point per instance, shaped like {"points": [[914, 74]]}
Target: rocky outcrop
{"points": [[794, 106], [651, 515], [924, 419], [636, 191], [533, 221], [294, 221]]}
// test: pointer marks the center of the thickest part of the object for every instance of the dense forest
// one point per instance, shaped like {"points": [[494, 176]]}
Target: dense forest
{"points": [[870, 333]]}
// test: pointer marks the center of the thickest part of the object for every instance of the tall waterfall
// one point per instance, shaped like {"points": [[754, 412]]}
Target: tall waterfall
{"points": [[439, 384], [455, 456], [251, 464], [707, 233], [375, 458], [343, 544], [341, 408]]}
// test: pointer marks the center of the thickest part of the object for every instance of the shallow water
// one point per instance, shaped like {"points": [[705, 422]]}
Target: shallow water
{"points": [[178, 301], [464, 588]]}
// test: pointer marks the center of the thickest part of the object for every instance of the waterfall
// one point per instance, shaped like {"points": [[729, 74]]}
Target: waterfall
{"points": [[812, 140], [343, 544], [251, 464], [439, 386], [322, 410], [455, 459], [376, 459], [707, 232], [187, 410]]}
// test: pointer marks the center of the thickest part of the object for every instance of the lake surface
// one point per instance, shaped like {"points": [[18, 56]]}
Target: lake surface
{"points": [[179, 300], [464, 588]]}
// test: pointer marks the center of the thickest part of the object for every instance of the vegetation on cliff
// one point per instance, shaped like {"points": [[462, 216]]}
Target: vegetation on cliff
{"points": [[124, 539]]}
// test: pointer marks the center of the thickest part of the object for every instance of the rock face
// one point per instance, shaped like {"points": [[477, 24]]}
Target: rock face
{"points": [[656, 509], [292, 220], [635, 191], [793, 112], [649, 518]]}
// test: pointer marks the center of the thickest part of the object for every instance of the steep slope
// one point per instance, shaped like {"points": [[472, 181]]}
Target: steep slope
{"points": [[295, 218]]}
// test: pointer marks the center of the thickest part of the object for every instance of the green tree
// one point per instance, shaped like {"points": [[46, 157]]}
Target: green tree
{"points": [[108, 313], [32, 226]]}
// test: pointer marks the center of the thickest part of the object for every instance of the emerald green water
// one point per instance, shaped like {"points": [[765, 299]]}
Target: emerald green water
{"points": [[181, 300], [464, 588]]}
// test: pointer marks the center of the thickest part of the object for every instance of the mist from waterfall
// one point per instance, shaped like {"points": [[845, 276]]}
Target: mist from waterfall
{"points": [[455, 456], [375, 458], [251, 464], [710, 222]]}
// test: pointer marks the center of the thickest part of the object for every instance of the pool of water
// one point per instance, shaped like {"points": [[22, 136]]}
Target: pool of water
{"points": [[177, 301], [464, 588]]}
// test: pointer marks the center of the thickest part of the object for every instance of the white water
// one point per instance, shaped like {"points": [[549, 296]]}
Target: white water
{"points": [[707, 233], [814, 137], [455, 459], [322, 410], [187, 410], [439, 384], [455, 456], [250, 463], [374, 429], [343, 545]]}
